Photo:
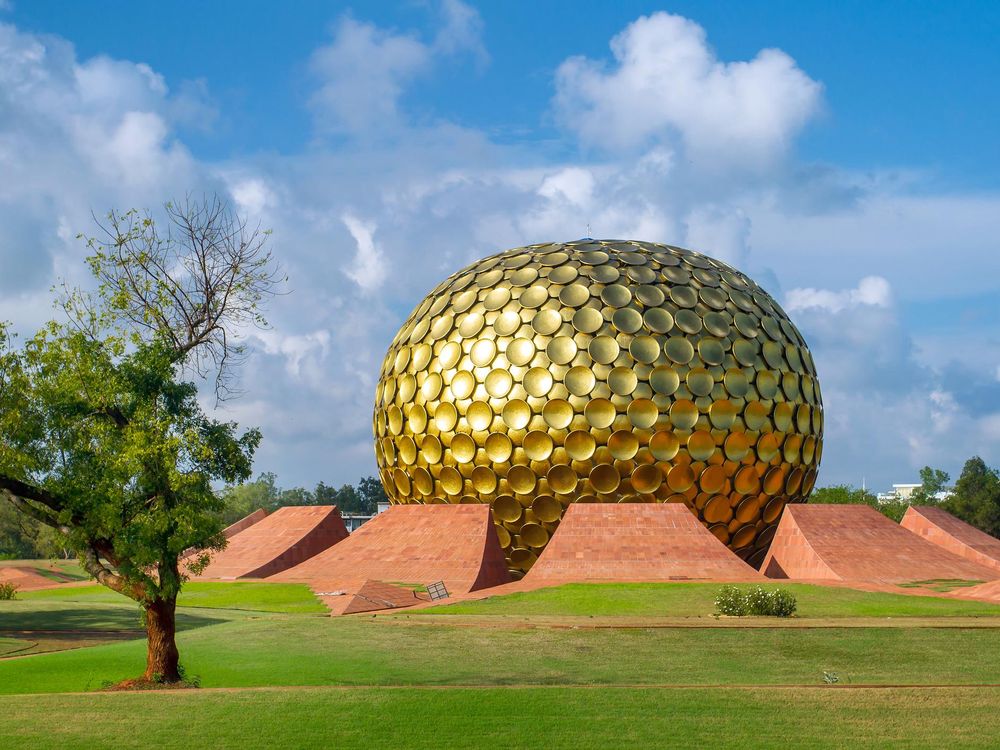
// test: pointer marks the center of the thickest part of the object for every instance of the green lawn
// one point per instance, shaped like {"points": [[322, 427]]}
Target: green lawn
{"points": [[698, 600], [287, 677], [553, 718], [288, 650], [259, 597]]}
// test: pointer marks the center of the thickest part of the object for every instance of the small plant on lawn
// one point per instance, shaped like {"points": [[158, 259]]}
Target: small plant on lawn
{"points": [[759, 601], [731, 601], [8, 591], [831, 678]]}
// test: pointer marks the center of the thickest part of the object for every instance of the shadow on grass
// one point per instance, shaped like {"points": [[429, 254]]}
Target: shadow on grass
{"points": [[85, 619]]}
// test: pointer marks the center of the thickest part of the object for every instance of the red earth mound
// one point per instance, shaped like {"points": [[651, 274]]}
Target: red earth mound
{"points": [[857, 543], [943, 529], [413, 544], [635, 542], [285, 538]]}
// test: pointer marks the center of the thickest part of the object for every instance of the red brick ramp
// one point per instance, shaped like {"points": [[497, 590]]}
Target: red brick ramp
{"points": [[25, 578], [635, 542], [371, 596], [285, 538], [857, 543], [943, 529], [986, 591], [413, 544], [234, 528]]}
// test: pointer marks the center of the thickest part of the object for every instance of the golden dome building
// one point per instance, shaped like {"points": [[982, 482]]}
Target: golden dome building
{"points": [[600, 371]]}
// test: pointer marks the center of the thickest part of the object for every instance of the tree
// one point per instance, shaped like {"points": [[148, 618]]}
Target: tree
{"points": [[241, 500], [372, 493], [844, 494], [976, 497], [932, 482], [102, 436]]}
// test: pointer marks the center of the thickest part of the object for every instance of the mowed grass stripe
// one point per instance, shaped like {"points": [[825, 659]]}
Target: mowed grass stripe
{"points": [[698, 599], [554, 718], [294, 650]]}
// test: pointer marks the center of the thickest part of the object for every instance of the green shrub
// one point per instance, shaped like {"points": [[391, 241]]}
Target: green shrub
{"points": [[731, 601], [757, 601], [8, 591]]}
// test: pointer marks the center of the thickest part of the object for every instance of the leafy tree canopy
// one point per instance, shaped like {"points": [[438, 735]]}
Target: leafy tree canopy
{"points": [[102, 436], [976, 497]]}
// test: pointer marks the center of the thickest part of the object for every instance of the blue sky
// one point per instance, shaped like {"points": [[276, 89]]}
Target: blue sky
{"points": [[846, 155]]}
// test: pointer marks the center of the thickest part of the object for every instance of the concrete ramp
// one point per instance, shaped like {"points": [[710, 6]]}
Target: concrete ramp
{"points": [[635, 542], [857, 543], [943, 529], [412, 544], [285, 538]]}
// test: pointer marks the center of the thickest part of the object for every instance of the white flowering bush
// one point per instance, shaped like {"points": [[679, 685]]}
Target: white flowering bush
{"points": [[733, 601]]}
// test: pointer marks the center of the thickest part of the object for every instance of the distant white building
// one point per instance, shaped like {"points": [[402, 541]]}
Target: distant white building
{"points": [[904, 493]]}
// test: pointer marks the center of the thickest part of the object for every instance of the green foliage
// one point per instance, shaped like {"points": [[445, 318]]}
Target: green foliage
{"points": [[932, 482], [8, 591], [243, 499], [756, 601], [844, 494], [102, 436], [976, 497]]}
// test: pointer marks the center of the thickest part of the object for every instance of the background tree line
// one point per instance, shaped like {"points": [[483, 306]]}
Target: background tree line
{"points": [[242, 499], [24, 538], [975, 498]]}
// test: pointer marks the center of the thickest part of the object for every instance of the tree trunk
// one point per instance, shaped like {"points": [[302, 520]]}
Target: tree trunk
{"points": [[162, 659]]}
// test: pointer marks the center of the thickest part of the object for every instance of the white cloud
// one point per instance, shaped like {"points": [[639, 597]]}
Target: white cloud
{"points": [[462, 31], [253, 196], [364, 70], [369, 269], [666, 82], [871, 290], [77, 135], [296, 349]]}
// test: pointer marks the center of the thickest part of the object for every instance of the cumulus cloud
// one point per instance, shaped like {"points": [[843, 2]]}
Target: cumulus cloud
{"points": [[77, 137], [369, 269], [871, 290], [666, 83], [308, 348], [364, 70], [365, 229]]}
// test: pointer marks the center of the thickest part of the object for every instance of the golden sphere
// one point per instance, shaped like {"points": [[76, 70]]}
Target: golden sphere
{"points": [[600, 371]]}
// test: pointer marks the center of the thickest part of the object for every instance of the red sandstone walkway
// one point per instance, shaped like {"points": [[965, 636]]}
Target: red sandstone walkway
{"points": [[943, 529], [287, 537], [635, 542], [414, 544], [857, 543]]}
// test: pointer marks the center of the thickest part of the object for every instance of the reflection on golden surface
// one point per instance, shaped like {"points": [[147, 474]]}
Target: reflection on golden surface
{"points": [[600, 371]]}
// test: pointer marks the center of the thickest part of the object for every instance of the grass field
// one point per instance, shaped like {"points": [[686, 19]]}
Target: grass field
{"points": [[698, 600], [526, 670], [574, 718]]}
